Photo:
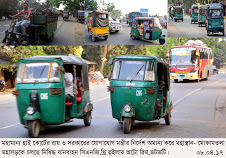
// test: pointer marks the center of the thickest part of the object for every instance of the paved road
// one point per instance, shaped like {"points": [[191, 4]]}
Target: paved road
{"points": [[199, 111], [119, 38], [68, 32], [187, 30]]}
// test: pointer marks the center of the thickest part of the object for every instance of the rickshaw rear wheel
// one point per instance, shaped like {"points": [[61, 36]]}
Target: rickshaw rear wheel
{"points": [[94, 38], [208, 32], [33, 128], [106, 37], [133, 37], [87, 118], [127, 123], [168, 118], [161, 41]]}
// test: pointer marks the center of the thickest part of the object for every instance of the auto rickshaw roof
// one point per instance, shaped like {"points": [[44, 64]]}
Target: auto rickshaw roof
{"points": [[142, 57], [145, 18], [215, 6], [100, 11], [194, 5], [203, 6], [65, 59]]}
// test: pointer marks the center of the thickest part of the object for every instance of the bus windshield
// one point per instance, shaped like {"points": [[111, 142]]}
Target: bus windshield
{"points": [[38, 72], [182, 56], [133, 70]]}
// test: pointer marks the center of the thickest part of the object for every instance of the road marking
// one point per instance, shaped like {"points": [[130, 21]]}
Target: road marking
{"points": [[100, 99], [19, 123], [9, 126], [178, 101]]}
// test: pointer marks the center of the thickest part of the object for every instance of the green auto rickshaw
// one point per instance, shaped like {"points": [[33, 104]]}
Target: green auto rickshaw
{"points": [[140, 90], [215, 19], [178, 13], [194, 13], [40, 92], [140, 31], [202, 14]]}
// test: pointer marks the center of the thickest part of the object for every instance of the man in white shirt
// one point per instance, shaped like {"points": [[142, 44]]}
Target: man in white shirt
{"points": [[68, 82]]}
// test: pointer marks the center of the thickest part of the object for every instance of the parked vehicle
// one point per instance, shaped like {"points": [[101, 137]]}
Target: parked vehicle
{"points": [[40, 92], [138, 30], [42, 28], [98, 24], [66, 15], [81, 16], [215, 19], [132, 16], [114, 25], [192, 61], [202, 14], [215, 70], [2, 85], [140, 90], [194, 13]]}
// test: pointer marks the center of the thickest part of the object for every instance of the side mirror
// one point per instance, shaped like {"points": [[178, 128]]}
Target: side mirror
{"points": [[110, 62]]}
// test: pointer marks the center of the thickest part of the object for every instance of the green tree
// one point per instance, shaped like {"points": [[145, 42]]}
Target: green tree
{"points": [[90, 5]]}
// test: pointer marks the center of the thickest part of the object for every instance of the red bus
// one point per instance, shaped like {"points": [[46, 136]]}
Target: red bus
{"points": [[190, 62]]}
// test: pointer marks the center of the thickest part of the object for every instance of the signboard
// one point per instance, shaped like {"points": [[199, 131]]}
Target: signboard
{"points": [[144, 12]]}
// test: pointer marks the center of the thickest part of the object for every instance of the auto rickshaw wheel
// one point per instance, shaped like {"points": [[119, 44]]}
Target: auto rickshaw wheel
{"points": [[175, 80], [168, 118], [133, 37], [106, 37], [127, 123], [223, 33], [208, 32], [94, 38], [87, 118], [161, 41], [33, 128]]}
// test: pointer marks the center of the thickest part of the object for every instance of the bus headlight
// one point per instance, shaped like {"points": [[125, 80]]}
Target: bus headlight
{"points": [[127, 108], [30, 110]]}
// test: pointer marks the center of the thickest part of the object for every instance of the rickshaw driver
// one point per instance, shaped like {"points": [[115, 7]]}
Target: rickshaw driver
{"points": [[23, 24], [68, 79]]}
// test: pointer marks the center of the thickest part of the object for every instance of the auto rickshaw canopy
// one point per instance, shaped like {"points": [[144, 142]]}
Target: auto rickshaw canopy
{"points": [[100, 18]]}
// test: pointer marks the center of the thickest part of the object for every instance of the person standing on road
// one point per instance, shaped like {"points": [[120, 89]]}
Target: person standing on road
{"points": [[25, 22]]}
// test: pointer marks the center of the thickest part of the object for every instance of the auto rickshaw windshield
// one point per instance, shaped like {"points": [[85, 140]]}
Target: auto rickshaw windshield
{"points": [[38, 72], [215, 13], [179, 10], [133, 70], [202, 11], [195, 10]]}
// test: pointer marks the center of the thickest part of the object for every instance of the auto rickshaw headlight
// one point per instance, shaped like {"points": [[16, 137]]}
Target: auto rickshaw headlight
{"points": [[30, 110], [127, 108]]}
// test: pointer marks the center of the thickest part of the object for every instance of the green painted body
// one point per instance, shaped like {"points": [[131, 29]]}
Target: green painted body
{"points": [[53, 109], [194, 17], [49, 25], [201, 18], [215, 24], [156, 32], [143, 106], [178, 16]]}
